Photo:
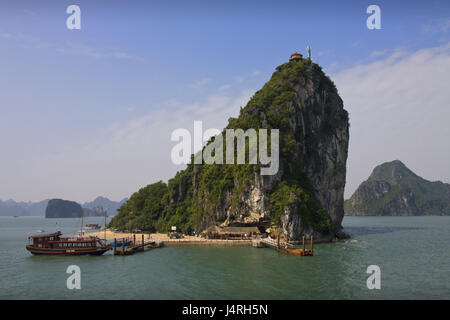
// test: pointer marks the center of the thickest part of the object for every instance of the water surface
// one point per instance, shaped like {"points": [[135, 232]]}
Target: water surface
{"points": [[412, 252]]}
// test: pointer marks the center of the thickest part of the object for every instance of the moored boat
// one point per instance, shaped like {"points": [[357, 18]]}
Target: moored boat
{"points": [[121, 242], [92, 226], [55, 244]]}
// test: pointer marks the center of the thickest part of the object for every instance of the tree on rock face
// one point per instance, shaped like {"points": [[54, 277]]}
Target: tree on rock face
{"points": [[143, 209]]}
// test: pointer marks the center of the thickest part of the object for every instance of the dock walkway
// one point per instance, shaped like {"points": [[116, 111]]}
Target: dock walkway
{"points": [[284, 247], [151, 243]]}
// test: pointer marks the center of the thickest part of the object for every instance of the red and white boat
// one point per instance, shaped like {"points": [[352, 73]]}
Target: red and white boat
{"points": [[55, 244]]}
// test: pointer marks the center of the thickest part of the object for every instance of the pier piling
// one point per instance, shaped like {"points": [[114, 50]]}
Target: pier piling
{"points": [[303, 243]]}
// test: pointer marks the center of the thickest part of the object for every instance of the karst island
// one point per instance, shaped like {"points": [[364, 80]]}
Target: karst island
{"points": [[234, 201]]}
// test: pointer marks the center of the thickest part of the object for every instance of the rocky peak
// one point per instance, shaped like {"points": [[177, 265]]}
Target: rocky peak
{"points": [[393, 172]]}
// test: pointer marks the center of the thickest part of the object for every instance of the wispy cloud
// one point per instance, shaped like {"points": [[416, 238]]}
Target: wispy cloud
{"points": [[5, 35], [90, 51], [379, 53], [398, 109], [200, 84], [224, 87], [127, 155], [67, 47], [239, 79], [29, 12], [440, 26]]}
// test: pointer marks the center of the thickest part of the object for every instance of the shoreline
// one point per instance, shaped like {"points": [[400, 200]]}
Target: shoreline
{"points": [[167, 242]]}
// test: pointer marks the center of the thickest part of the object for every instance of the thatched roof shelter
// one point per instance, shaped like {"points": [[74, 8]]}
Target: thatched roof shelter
{"points": [[240, 230], [231, 231], [212, 229]]}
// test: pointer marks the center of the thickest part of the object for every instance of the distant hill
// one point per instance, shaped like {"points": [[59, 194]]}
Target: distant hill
{"points": [[8, 209], [13, 208], [94, 212], [394, 190], [111, 207], [96, 207]]}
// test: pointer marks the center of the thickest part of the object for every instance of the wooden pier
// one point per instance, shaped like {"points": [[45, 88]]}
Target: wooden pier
{"points": [[136, 246], [142, 244], [285, 247]]}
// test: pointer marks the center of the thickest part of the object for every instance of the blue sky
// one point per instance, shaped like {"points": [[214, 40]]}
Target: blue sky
{"points": [[73, 103]]}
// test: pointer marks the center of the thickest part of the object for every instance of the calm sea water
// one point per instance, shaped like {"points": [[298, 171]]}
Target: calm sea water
{"points": [[412, 252]]}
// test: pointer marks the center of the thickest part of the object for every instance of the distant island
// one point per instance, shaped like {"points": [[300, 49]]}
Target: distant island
{"points": [[58, 208], [13, 208], [111, 207], [394, 190]]}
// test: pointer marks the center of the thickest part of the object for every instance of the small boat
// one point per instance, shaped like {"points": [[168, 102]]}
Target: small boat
{"points": [[92, 226], [121, 242], [289, 249], [296, 252], [55, 244], [40, 231], [16, 216]]}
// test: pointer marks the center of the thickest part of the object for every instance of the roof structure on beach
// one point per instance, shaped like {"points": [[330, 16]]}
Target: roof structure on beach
{"points": [[232, 230]]}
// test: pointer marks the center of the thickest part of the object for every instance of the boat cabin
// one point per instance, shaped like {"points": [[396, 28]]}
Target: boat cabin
{"points": [[43, 240]]}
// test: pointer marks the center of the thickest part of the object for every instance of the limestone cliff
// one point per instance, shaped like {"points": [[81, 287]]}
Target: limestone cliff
{"points": [[304, 197]]}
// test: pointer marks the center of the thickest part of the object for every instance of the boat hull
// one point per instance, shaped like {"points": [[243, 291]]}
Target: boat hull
{"points": [[67, 252], [296, 252]]}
